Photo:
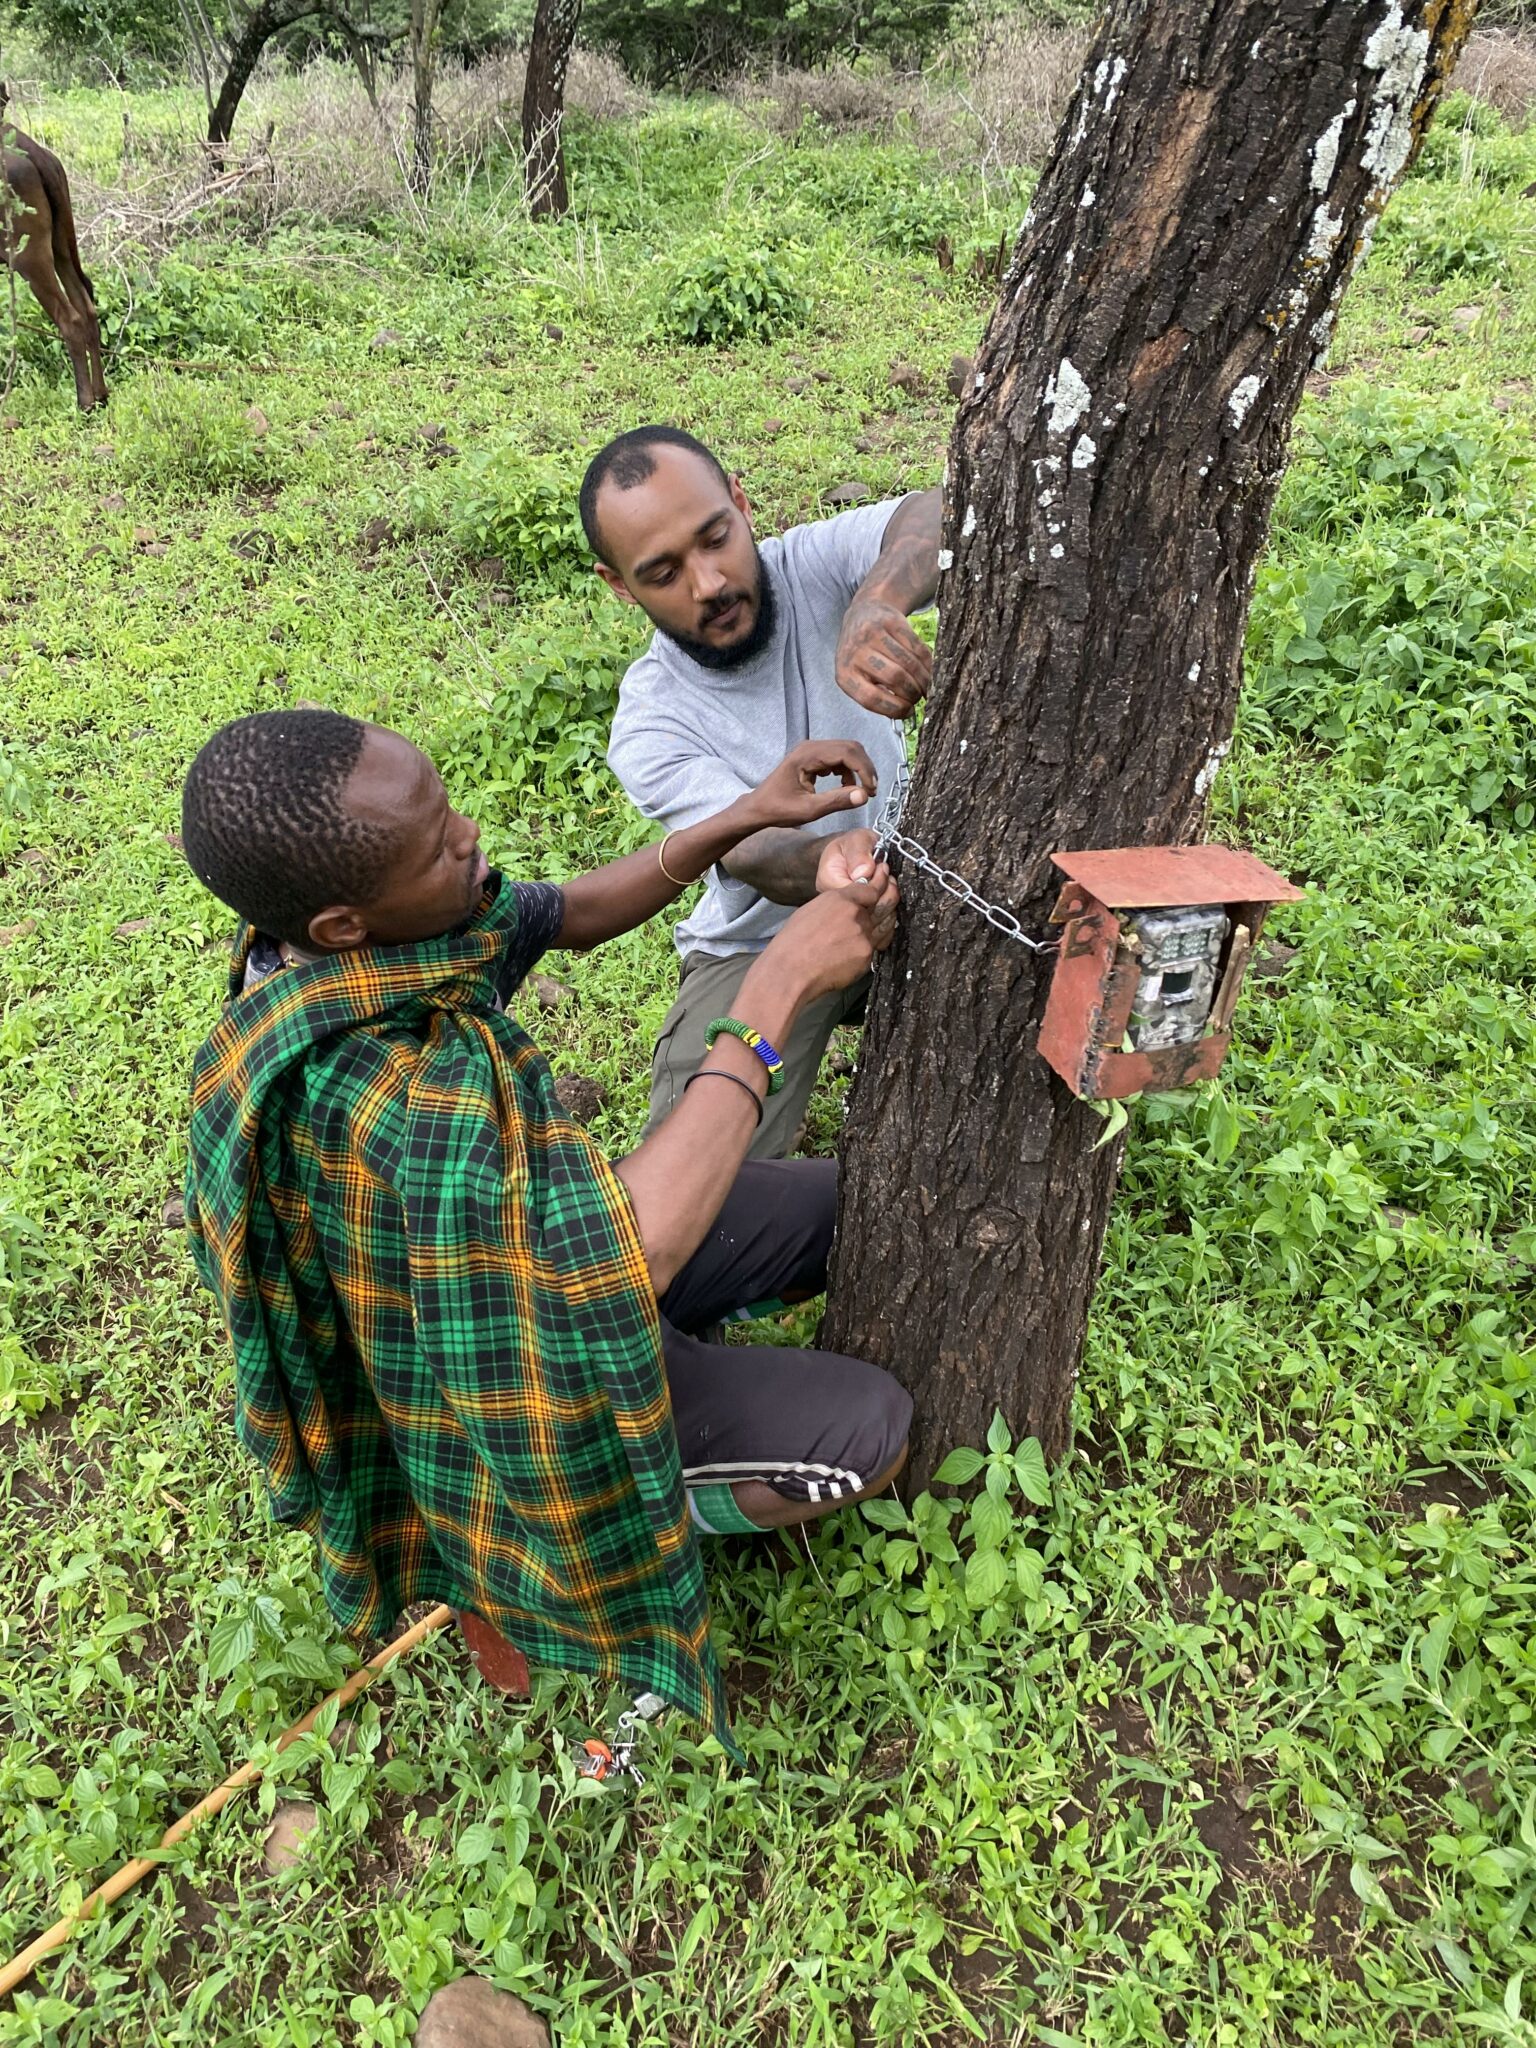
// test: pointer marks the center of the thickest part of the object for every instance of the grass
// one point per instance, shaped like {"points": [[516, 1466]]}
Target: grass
{"points": [[1221, 1735]]}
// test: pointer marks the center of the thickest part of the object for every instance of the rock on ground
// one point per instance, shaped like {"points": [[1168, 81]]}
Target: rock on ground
{"points": [[283, 1845], [471, 2013], [551, 991]]}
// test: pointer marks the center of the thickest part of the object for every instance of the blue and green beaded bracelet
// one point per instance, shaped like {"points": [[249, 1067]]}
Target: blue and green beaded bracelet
{"points": [[755, 1041]]}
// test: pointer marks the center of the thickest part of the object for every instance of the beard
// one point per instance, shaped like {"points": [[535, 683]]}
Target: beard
{"points": [[752, 642]]}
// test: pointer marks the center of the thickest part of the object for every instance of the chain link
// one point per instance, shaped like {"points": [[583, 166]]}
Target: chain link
{"points": [[890, 835]]}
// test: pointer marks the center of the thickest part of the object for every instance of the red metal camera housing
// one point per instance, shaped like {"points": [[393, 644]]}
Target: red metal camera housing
{"points": [[1155, 941]]}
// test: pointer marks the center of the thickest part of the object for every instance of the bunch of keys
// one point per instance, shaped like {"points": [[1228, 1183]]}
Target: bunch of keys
{"points": [[604, 1760]]}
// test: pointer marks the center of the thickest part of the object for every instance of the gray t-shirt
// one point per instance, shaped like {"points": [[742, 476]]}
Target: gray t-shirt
{"points": [[688, 740]]}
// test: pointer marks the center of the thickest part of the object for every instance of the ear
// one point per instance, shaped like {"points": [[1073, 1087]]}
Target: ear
{"points": [[615, 582], [739, 500], [338, 929]]}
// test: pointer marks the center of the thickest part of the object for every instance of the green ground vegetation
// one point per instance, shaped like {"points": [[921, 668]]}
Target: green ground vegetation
{"points": [[1221, 1733]]}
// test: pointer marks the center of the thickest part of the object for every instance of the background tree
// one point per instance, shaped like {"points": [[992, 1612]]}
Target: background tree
{"points": [[250, 35], [698, 42], [118, 38], [239, 51], [549, 53], [426, 20], [1110, 477]]}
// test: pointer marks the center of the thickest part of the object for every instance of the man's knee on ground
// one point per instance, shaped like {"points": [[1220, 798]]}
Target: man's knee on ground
{"points": [[874, 1456]]}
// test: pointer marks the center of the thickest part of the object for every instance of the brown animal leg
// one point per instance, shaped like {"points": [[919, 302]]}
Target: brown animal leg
{"points": [[68, 268], [38, 235], [77, 290], [33, 263], [56, 303]]}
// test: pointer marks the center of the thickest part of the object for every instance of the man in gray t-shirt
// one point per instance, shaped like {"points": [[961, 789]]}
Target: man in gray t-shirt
{"points": [[756, 649]]}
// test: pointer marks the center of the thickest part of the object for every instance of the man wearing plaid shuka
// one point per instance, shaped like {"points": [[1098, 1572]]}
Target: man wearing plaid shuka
{"points": [[465, 1343]]}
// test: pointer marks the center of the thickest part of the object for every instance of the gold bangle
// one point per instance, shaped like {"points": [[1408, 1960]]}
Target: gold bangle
{"points": [[661, 861]]}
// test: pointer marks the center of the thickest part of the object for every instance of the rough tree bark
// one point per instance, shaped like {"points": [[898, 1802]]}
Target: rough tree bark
{"points": [[549, 53], [1109, 484], [425, 18]]}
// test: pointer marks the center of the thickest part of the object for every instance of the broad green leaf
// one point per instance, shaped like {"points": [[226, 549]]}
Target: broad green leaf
{"points": [[308, 1659], [1454, 1957], [477, 1842], [42, 1782], [1440, 1743], [998, 1438], [702, 1923], [960, 1467], [232, 1644], [1030, 1470], [991, 1520], [986, 1574], [886, 1514], [1366, 1886], [1222, 1129], [1432, 1648], [1116, 1116], [1493, 1869], [1029, 1570]]}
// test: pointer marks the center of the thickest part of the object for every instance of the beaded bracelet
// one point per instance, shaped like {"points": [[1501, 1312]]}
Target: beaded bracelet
{"points": [[755, 1042]]}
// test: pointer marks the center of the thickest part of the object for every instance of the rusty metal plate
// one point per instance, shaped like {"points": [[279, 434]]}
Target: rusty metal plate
{"points": [[498, 1662], [1155, 877], [1151, 1073], [1070, 1028]]}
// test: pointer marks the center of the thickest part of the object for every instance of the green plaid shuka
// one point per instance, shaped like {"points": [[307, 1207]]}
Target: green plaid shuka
{"points": [[447, 1351]]}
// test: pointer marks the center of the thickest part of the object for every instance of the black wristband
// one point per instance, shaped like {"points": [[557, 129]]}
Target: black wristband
{"points": [[719, 1074]]}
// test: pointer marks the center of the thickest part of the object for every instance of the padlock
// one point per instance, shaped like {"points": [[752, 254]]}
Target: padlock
{"points": [[595, 1760]]}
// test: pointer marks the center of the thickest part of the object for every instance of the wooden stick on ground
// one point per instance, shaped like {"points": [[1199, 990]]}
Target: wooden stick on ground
{"points": [[21, 1967]]}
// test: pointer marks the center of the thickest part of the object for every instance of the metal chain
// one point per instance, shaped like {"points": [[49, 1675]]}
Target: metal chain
{"points": [[890, 835]]}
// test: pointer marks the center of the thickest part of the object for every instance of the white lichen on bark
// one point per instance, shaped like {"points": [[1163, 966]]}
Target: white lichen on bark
{"points": [[1325, 151], [1068, 398], [1213, 761], [1401, 55], [1241, 398]]}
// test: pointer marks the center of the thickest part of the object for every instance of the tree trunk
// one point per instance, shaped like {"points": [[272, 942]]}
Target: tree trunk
{"points": [[1108, 490], [425, 16], [192, 28], [364, 54], [268, 19], [549, 53]]}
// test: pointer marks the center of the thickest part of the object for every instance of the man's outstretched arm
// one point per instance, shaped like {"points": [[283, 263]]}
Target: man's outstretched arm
{"points": [[626, 892], [881, 663], [680, 1175]]}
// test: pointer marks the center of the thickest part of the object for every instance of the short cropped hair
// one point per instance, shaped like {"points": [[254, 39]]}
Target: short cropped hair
{"points": [[626, 461], [264, 824]]}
